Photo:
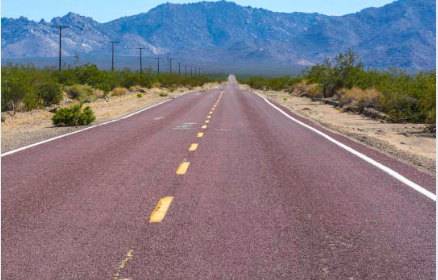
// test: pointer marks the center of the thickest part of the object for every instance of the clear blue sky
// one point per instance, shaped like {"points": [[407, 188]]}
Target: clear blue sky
{"points": [[106, 10]]}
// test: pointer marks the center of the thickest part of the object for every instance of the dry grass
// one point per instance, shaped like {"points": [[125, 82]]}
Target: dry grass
{"points": [[99, 93], [119, 91], [358, 99]]}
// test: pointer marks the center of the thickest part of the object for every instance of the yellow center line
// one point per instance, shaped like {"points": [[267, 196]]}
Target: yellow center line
{"points": [[207, 121], [161, 209], [211, 112], [204, 126], [200, 134], [212, 109], [193, 147], [122, 264], [182, 169], [208, 117]]}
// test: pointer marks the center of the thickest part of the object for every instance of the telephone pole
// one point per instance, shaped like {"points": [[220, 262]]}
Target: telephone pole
{"points": [[170, 65], [158, 61], [60, 45], [179, 68], [186, 71], [112, 57], [141, 68]]}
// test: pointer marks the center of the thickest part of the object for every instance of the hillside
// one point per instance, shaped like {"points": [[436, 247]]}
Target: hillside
{"points": [[400, 34]]}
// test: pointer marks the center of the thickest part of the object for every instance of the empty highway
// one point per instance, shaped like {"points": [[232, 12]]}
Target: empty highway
{"points": [[214, 185]]}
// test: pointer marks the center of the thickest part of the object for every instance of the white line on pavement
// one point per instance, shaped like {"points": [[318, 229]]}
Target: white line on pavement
{"points": [[382, 167], [77, 131]]}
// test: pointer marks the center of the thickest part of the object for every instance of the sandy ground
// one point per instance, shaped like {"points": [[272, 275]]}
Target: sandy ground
{"points": [[406, 142], [25, 128]]}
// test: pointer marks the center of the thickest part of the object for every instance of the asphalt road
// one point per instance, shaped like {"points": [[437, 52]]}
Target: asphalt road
{"points": [[260, 197]]}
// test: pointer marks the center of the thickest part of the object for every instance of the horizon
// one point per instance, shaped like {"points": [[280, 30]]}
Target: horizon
{"points": [[39, 11]]}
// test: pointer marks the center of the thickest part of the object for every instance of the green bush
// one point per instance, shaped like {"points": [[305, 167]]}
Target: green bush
{"points": [[73, 116], [74, 92], [34, 87], [402, 97], [139, 95], [16, 84], [49, 92]]}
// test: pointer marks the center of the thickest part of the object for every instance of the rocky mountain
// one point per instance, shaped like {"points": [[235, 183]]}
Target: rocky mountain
{"points": [[399, 34]]}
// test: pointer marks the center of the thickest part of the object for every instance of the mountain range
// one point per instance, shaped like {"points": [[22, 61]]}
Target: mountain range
{"points": [[400, 34]]}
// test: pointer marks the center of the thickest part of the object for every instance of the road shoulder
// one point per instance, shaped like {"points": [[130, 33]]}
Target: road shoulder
{"points": [[26, 128], [404, 142]]}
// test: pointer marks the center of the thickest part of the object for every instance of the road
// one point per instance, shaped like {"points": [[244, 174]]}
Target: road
{"points": [[260, 197]]}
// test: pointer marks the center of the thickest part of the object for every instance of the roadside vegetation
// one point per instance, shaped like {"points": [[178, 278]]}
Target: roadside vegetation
{"points": [[343, 81], [26, 88]]}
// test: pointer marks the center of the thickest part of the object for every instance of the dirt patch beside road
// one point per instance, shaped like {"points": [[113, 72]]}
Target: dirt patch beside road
{"points": [[410, 143], [25, 128]]}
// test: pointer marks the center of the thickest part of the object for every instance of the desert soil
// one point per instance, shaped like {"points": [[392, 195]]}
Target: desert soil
{"points": [[410, 143], [25, 128]]}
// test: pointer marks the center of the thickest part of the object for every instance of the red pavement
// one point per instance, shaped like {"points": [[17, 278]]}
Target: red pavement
{"points": [[263, 198]]}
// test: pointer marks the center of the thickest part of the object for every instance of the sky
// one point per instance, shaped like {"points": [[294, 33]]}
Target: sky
{"points": [[107, 10]]}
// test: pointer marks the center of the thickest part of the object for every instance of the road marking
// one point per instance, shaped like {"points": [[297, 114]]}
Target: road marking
{"points": [[211, 112], [200, 134], [212, 109], [122, 264], [81, 130], [204, 126], [207, 121], [161, 209], [380, 166], [208, 117], [182, 169], [193, 147]]}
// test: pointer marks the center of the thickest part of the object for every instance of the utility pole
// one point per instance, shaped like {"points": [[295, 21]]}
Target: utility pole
{"points": [[60, 45], [186, 71], [141, 68], [191, 71], [170, 65], [158, 60], [112, 57], [179, 68]]}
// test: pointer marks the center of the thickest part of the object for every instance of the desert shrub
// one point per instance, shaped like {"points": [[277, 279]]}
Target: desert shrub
{"points": [[162, 94], [358, 99], [49, 92], [99, 93], [119, 91], [139, 95], [16, 84], [74, 92], [73, 116]]}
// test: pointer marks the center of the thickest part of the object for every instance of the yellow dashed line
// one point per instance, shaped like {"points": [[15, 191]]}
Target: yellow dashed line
{"points": [[211, 112], [212, 109], [200, 134], [161, 209], [182, 169], [122, 264], [208, 117], [204, 126], [207, 121], [193, 147]]}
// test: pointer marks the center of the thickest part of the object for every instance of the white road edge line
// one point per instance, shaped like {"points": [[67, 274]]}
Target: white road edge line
{"points": [[382, 167], [81, 130]]}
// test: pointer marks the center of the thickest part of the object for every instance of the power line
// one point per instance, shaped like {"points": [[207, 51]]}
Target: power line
{"points": [[112, 56], [141, 68], [170, 65], [60, 45], [158, 61]]}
